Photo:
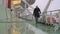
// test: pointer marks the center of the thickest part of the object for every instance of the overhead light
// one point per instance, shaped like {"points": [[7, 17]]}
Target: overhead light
{"points": [[16, 2]]}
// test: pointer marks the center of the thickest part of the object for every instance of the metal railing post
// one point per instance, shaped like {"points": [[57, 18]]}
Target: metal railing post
{"points": [[51, 18], [59, 16]]}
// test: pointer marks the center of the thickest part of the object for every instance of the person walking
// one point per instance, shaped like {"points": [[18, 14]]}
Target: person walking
{"points": [[36, 13]]}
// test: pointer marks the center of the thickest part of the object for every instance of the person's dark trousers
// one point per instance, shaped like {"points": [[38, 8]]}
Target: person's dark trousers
{"points": [[36, 19]]}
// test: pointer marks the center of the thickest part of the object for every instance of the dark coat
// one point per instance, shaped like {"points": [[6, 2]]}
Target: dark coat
{"points": [[36, 12]]}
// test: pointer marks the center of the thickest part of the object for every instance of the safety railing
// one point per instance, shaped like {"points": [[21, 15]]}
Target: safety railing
{"points": [[52, 14]]}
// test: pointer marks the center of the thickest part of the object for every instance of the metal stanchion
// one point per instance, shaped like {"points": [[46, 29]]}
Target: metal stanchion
{"points": [[6, 14], [59, 18], [11, 15], [51, 18]]}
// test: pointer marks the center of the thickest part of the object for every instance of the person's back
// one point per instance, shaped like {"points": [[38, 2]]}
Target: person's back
{"points": [[36, 13]]}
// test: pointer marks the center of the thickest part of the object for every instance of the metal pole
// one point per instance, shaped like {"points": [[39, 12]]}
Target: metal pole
{"points": [[59, 16], [45, 10], [5, 9], [51, 18]]}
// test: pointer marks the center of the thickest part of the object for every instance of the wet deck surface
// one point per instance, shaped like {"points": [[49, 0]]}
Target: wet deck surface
{"points": [[49, 29]]}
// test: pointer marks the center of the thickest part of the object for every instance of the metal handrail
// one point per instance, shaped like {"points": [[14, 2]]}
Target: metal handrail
{"points": [[54, 10]]}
